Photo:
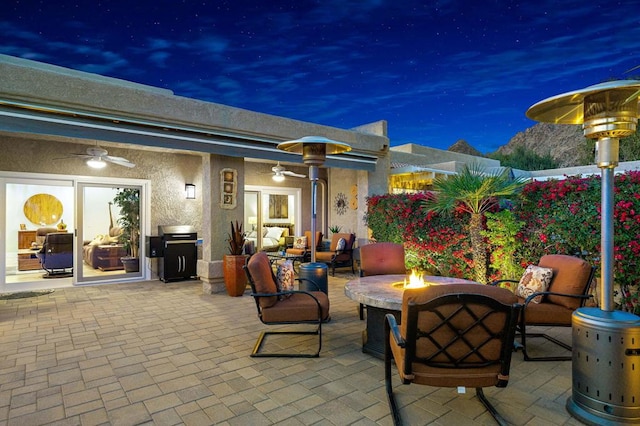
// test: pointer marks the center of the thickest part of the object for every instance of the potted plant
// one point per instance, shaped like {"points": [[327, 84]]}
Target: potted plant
{"points": [[335, 229], [128, 200], [235, 278]]}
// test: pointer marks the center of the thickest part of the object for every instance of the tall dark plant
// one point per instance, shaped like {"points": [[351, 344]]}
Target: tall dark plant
{"points": [[128, 200], [236, 239]]}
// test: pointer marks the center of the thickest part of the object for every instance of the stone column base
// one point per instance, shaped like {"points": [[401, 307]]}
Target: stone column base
{"points": [[212, 276]]}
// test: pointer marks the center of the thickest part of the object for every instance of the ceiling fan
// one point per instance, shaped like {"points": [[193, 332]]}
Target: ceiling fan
{"points": [[279, 172], [97, 158]]}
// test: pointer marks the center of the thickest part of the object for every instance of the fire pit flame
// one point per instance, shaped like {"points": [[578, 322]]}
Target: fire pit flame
{"points": [[415, 280]]}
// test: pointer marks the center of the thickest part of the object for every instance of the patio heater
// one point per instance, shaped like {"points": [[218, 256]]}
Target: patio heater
{"points": [[606, 342], [314, 150]]}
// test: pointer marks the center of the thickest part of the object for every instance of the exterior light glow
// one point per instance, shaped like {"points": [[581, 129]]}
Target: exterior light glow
{"points": [[96, 163], [190, 190]]}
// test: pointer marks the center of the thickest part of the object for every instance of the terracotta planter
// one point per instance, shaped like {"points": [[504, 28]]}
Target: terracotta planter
{"points": [[235, 279]]}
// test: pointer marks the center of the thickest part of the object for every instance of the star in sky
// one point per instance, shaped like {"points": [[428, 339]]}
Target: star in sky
{"points": [[437, 71]]}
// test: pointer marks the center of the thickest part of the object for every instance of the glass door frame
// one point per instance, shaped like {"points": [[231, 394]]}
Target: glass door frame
{"points": [[145, 215], [260, 191], [79, 183]]}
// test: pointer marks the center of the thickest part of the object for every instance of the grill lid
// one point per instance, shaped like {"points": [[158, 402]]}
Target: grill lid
{"points": [[176, 230]]}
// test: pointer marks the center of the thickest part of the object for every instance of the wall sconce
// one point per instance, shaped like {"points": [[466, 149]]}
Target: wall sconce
{"points": [[190, 190]]}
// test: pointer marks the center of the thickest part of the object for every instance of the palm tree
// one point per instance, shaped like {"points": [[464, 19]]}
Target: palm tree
{"points": [[476, 191]]}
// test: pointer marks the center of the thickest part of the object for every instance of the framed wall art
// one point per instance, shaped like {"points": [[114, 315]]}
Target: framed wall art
{"points": [[228, 188], [278, 206]]}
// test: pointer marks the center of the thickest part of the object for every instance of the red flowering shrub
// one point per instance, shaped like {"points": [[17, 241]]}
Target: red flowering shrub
{"points": [[564, 217], [560, 216], [435, 243]]}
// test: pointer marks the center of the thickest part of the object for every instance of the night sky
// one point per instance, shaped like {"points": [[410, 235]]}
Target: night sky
{"points": [[437, 71]]}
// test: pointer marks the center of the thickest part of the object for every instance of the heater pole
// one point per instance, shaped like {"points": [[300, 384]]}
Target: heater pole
{"points": [[313, 175], [314, 150], [606, 240], [604, 376]]}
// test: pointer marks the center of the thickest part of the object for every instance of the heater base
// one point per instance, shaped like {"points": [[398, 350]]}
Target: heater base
{"points": [[605, 361], [593, 418]]}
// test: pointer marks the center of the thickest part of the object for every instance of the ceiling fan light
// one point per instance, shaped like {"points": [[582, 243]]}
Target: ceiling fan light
{"points": [[96, 163], [278, 177]]}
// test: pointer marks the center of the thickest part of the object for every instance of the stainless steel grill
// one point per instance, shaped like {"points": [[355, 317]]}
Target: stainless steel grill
{"points": [[606, 367], [179, 252]]}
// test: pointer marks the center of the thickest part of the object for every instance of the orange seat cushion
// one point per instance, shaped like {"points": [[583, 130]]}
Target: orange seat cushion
{"points": [[298, 307], [570, 275], [547, 314]]}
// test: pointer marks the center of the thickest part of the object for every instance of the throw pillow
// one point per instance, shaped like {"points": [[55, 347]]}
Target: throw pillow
{"points": [[340, 245], [300, 243], [285, 278], [534, 280], [274, 233]]}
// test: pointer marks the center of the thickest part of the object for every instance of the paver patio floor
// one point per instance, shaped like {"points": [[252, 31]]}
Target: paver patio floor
{"points": [[166, 354]]}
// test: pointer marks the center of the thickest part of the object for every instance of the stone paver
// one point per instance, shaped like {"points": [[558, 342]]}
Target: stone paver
{"points": [[155, 353]]}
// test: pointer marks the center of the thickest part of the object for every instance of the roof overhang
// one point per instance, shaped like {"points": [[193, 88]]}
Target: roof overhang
{"points": [[411, 169], [30, 118]]}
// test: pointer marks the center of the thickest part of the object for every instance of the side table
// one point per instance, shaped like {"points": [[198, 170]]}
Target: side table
{"points": [[276, 256], [28, 260]]}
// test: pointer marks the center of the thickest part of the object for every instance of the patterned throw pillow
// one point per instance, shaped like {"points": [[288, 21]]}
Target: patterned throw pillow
{"points": [[534, 280], [340, 245], [285, 278], [300, 243]]}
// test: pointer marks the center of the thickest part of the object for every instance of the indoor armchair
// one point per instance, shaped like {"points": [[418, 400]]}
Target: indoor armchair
{"points": [[56, 255]]}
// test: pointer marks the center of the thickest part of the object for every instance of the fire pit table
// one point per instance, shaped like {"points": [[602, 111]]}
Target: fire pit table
{"points": [[382, 294]]}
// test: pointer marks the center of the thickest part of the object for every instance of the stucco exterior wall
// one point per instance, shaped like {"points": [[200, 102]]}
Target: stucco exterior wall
{"points": [[168, 172], [420, 155], [343, 196]]}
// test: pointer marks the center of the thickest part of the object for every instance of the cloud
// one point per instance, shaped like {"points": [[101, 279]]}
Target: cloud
{"points": [[159, 58]]}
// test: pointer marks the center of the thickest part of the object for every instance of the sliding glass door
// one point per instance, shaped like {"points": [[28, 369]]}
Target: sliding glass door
{"points": [[33, 209], [59, 231], [271, 215], [110, 230]]}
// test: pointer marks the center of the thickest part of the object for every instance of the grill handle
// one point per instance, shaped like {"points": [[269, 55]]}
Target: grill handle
{"points": [[181, 242]]}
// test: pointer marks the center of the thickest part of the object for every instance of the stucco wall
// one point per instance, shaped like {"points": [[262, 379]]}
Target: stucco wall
{"points": [[343, 187], [168, 172]]}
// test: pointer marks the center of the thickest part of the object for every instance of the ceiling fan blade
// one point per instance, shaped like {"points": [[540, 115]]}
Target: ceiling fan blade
{"points": [[80, 156], [293, 174], [119, 161], [73, 156]]}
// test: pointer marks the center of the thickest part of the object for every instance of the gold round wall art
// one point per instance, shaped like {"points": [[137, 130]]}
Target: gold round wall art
{"points": [[43, 209]]}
